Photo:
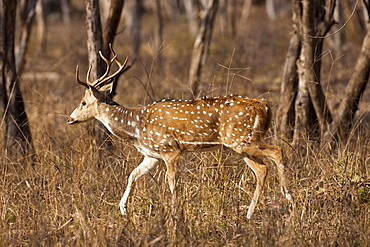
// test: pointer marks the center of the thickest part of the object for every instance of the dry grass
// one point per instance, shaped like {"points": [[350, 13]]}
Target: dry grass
{"points": [[70, 197]]}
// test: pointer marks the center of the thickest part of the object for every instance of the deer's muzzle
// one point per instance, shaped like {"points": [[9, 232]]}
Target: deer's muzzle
{"points": [[71, 120]]}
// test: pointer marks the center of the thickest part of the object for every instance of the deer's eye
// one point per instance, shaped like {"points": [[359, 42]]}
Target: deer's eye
{"points": [[83, 103]]}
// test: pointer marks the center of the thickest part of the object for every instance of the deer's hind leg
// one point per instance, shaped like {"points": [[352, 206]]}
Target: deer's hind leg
{"points": [[260, 170], [275, 154], [171, 161]]}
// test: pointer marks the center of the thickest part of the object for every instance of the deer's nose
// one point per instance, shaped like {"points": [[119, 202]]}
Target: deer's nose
{"points": [[71, 120]]}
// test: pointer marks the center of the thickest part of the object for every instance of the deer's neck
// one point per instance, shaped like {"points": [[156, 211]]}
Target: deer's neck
{"points": [[119, 120]]}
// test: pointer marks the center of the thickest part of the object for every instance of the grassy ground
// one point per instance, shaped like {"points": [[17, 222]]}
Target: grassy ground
{"points": [[70, 197]]}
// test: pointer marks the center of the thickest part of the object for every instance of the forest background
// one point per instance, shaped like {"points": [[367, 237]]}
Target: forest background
{"points": [[67, 189]]}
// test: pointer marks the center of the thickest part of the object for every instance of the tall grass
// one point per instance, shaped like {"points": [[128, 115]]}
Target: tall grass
{"points": [[71, 198]]}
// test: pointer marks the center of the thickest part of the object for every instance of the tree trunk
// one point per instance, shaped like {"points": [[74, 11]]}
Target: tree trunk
{"points": [[271, 9], [305, 117], [200, 49], [94, 37], [222, 12], [17, 134], [110, 30], [289, 86], [40, 26], [227, 14], [111, 24], [133, 15], [158, 35], [191, 17], [312, 115], [337, 41], [64, 5], [233, 14], [94, 45], [307, 73], [353, 92], [172, 8], [286, 113], [319, 19], [246, 9], [22, 46]]}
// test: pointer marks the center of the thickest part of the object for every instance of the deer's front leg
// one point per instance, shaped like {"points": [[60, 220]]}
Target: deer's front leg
{"points": [[145, 166]]}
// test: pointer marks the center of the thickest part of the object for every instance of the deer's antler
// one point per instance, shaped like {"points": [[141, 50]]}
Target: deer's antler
{"points": [[78, 79], [104, 82]]}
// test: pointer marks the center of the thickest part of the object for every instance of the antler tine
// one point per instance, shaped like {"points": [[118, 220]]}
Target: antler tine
{"points": [[112, 51], [78, 79], [120, 65], [88, 82], [121, 68], [114, 58], [108, 63]]}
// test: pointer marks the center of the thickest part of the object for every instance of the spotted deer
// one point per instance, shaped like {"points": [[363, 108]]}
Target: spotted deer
{"points": [[168, 128]]}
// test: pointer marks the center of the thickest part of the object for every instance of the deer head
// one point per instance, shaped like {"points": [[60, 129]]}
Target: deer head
{"points": [[96, 91]]}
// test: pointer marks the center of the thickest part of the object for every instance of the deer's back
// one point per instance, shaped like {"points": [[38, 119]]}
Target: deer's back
{"points": [[186, 124]]}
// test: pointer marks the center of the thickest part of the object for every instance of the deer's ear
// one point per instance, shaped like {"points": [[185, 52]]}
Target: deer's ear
{"points": [[100, 96]]}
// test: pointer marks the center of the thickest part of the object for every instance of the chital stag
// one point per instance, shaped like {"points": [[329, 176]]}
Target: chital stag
{"points": [[166, 129]]}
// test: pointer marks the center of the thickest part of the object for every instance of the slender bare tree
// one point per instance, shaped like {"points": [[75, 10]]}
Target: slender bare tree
{"points": [[201, 44], [289, 85], [21, 48], [158, 33], [43, 9], [191, 17], [227, 13], [94, 37], [301, 89], [348, 106], [17, 134], [111, 25], [132, 13], [316, 21], [302, 97]]}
